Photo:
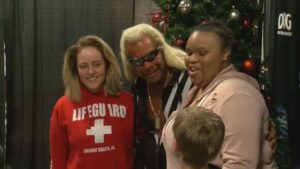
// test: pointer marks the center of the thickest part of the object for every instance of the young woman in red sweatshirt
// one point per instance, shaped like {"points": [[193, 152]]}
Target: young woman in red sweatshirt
{"points": [[92, 124]]}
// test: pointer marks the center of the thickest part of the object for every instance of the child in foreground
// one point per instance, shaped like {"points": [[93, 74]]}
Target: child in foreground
{"points": [[198, 137]]}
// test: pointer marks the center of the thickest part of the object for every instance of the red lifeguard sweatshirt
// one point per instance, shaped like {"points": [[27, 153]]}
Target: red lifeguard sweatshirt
{"points": [[96, 133]]}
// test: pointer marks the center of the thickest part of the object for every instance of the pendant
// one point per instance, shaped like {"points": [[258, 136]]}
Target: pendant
{"points": [[157, 122]]}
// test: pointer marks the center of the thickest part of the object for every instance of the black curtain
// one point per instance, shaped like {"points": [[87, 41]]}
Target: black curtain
{"points": [[2, 97], [2, 85], [284, 49], [36, 35]]}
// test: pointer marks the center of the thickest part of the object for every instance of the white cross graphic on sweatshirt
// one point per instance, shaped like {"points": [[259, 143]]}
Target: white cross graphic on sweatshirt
{"points": [[98, 131]]}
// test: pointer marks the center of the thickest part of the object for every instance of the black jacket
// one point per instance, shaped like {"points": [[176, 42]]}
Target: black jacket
{"points": [[148, 152]]}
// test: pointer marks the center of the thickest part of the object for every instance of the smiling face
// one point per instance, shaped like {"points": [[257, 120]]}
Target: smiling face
{"points": [[152, 70], [205, 57], [91, 68]]}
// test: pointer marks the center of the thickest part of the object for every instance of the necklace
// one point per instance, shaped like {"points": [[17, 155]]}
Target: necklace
{"points": [[156, 113]]}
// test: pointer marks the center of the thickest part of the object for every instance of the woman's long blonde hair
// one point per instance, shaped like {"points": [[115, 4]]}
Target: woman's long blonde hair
{"points": [[112, 85]]}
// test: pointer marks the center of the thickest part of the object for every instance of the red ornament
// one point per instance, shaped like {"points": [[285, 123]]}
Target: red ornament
{"points": [[248, 65], [246, 22], [157, 17], [251, 66], [179, 42]]}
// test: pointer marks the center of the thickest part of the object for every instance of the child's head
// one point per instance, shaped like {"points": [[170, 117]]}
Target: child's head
{"points": [[199, 134]]}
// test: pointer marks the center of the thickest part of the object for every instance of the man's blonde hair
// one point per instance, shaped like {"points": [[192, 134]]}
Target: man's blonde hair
{"points": [[172, 55]]}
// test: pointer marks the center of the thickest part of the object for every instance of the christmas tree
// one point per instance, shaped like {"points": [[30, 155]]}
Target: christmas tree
{"points": [[176, 18]]}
